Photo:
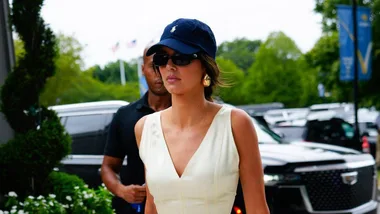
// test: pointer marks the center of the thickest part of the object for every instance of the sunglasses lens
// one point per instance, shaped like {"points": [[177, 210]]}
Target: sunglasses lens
{"points": [[160, 59], [181, 59], [177, 59]]}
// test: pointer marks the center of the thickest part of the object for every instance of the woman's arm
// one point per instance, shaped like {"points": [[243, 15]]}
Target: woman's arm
{"points": [[150, 207], [251, 171]]}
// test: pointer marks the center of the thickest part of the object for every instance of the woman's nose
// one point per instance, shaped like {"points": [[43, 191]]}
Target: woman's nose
{"points": [[170, 65]]}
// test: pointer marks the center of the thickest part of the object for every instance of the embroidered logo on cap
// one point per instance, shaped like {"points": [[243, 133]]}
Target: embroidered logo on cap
{"points": [[173, 29]]}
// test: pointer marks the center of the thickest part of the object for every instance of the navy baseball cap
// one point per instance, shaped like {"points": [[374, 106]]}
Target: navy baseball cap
{"points": [[187, 36]]}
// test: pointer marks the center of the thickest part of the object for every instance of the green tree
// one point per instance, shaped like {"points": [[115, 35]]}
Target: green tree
{"points": [[88, 89], [240, 51], [277, 74], [233, 77], [69, 64], [324, 57], [72, 85], [329, 60], [40, 141], [327, 8], [111, 72]]}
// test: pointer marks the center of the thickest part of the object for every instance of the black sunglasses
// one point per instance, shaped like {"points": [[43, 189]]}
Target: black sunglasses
{"points": [[161, 59]]}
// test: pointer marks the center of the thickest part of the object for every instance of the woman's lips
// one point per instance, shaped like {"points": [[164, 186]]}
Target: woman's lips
{"points": [[172, 79]]}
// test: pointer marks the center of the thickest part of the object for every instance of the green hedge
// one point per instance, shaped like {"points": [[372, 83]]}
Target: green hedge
{"points": [[62, 184], [28, 159], [64, 194]]}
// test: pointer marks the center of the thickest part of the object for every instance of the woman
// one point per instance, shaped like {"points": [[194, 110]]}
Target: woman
{"points": [[195, 151]]}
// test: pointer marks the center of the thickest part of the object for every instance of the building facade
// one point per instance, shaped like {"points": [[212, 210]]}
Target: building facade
{"points": [[7, 59]]}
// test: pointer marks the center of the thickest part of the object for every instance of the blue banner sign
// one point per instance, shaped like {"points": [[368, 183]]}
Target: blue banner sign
{"points": [[346, 42]]}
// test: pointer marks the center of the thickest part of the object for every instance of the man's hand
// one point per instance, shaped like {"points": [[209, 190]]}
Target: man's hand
{"points": [[132, 193]]}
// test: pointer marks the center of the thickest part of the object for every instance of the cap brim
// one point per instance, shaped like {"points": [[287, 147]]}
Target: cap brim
{"points": [[174, 44]]}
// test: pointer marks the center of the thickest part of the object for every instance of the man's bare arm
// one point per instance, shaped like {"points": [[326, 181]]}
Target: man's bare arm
{"points": [[110, 173]]}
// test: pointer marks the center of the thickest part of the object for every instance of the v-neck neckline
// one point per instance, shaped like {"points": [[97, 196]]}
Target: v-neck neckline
{"points": [[193, 156]]}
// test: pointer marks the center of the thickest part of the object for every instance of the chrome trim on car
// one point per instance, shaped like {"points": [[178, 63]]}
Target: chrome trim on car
{"points": [[67, 114], [350, 165], [86, 160]]}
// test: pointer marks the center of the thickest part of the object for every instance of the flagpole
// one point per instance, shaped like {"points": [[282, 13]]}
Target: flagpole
{"points": [[122, 72], [356, 74]]}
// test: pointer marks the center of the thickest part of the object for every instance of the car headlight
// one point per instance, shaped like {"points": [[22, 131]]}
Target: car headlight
{"points": [[273, 179]]}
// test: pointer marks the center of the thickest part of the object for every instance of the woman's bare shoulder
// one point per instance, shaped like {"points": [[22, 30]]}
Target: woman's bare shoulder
{"points": [[243, 129], [139, 128]]}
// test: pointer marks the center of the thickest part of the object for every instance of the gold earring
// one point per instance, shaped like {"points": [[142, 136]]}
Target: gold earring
{"points": [[206, 81]]}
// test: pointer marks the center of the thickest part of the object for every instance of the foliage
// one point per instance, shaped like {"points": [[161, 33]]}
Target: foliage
{"points": [[72, 85], [277, 73], [86, 89], [233, 78], [111, 72], [82, 201], [30, 157], [68, 68], [325, 54], [327, 8], [61, 184], [324, 57], [40, 141], [240, 51]]}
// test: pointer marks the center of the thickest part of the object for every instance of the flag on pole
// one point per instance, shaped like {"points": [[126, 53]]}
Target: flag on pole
{"points": [[132, 43], [115, 47]]}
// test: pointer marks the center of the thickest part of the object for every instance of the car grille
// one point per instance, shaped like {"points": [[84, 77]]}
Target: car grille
{"points": [[326, 190]]}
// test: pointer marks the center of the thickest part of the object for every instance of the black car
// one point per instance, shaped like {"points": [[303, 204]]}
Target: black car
{"points": [[299, 177], [328, 128], [87, 124]]}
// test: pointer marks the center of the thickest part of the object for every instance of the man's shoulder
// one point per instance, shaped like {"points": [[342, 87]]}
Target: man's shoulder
{"points": [[127, 108], [130, 113]]}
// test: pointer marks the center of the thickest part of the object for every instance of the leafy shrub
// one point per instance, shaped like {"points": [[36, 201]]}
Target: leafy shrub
{"points": [[61, 184], [82, 201], [28, 159], [40, 141]]}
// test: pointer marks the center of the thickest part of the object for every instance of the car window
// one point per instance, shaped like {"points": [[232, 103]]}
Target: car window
{"points": [[63, 120], [348, 130], [87, 133], [370, 125], [85, 123], [290, 132], [264, 134], [104, 134], [320, 131]]}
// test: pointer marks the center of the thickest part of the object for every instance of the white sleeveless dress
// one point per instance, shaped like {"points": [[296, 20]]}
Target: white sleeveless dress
{"points": [[209, 181]]}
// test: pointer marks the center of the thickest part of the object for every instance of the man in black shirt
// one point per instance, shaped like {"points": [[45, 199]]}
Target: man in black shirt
{"points": [[121, 142]]}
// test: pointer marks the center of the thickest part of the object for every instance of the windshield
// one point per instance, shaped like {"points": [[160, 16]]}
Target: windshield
{"points": [[264, 134]]}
